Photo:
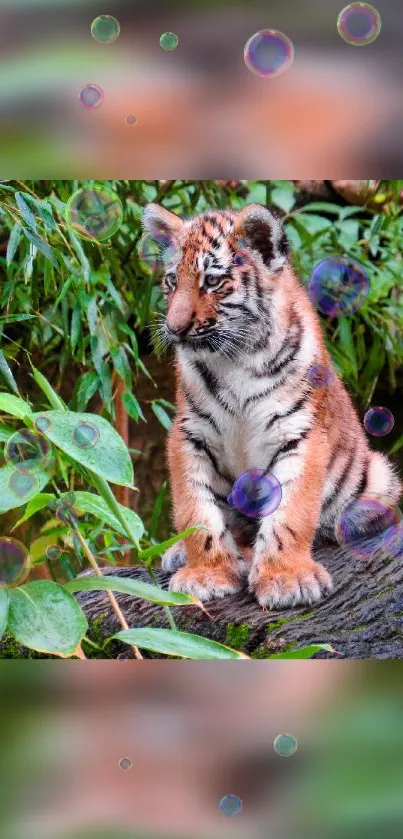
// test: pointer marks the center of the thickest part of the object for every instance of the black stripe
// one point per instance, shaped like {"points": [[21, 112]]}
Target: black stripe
{"points": [[278, 540], [257, 396], [213, 386], [290, 530], [344, 475], [208, 543], [192, 405], [293, 410], [287, 448], [201, 446], [363, 482]]}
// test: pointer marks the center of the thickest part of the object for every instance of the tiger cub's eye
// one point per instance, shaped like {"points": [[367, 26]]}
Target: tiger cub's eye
{"points": [[213, 282], [170, 281]]}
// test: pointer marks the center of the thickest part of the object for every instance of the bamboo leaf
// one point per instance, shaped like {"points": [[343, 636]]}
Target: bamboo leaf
{"points": [[182, 644], [136, 588], [45, 617]]}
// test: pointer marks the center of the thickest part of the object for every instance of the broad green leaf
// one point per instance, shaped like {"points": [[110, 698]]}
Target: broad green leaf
{"points": [[304, 652], [347, 342], [13, 242], [43, 209], [161, 415], [87, 385], [25, 211], [38, 503], [96, 506], [4, 602], [53, 398], [124, 585], [14, 406], [102, 369], [121, 364], [107, 456], [5, 432], [321, 207], [7, 374], [182, 644], [42, 246], [26, 485], [45, 617], [284, 196], [157, 550]]}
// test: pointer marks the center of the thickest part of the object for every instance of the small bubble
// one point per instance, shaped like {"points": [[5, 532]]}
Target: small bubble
{"points": [[95, 212], [131, 119], [105, 29], [392, 545], [67, 515], [125, 763], [230, 805], [22, 483], [14, 562], [255, 494], [69, 499], [268, 53], [285, 745], [359, 24], [27, 451], [157, 251], [320, 375], [122, 657], [169, 41], [338, 286], [85, 435], [54, 552], [42, 424], [379, 421], [91, 96], [364, 525]]}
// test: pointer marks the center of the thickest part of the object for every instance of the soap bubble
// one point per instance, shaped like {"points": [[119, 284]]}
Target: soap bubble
{"points": [[268, 53], [255, 494], [42, 424], [365, 524], [105, 29], [22, 483], [14, 562], [91, 96], [379, 421], [359, 24], [169, 41], [54, 551], [159, 250], [67, 515], [85, 435], [230, 805], [285, 745], [392, 543], [95, 212], [27, 451], [338, 286], [320, 375], [125, 763], [131, 119]]}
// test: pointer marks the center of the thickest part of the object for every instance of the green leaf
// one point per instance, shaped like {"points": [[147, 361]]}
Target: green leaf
{"points": [[347, 343], [5, 432], [4, 603], [304, 652], [161, 415], [13, 242], [86, 387], [53, 398], [14, 406], [9, 499], [121, 364], [47, 618], [132, 406], [182, 644], [107, 457], [75, 326], [6, 372], [103, 372], [284, 196], [157, 550], [396, 446], [16, 318], [157, 509], [49, 278], [43, 209], [42, 246], [123, 585], [38, 503], [321, 207], [25, 211], [90, 503]]}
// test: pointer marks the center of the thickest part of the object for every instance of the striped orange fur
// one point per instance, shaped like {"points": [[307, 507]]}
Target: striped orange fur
{"points": [[245, 335]]}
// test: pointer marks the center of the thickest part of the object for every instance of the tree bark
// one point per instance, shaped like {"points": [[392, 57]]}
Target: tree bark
{"points": [[363, 618]]}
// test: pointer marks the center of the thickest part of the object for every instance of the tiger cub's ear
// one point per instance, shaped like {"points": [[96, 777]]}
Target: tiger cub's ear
{"points": [[264, 233], [161, 224]]}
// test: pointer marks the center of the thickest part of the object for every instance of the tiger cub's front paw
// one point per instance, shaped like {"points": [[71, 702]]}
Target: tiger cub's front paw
{"points": [[174, 557], [206, 582], [301, 581]]}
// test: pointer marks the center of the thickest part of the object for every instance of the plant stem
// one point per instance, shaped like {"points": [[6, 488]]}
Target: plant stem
{"points": [[111, 596]]}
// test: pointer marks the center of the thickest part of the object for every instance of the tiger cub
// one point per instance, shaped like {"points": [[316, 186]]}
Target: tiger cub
{"points": [[245, 335]]}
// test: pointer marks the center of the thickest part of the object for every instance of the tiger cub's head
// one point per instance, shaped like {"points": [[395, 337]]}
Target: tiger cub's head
{"points": [[219, 271]]}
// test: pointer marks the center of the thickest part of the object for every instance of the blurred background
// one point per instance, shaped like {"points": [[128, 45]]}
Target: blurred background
{"points": [[201, 113], [194, 733]]}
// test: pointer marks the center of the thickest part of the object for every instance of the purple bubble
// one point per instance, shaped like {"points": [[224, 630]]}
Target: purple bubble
{"points": [[392, 545], [268, 53], [338, 286], [359, 24], [365, 524], [379, 421], [321, 375], [255, 494], [231, 805], [91, 96]]}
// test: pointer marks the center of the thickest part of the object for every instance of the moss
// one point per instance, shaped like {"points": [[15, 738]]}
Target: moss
{"points": [[264, 652], [237, 635], [385, 591], [10, 648], [94, 630]]}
